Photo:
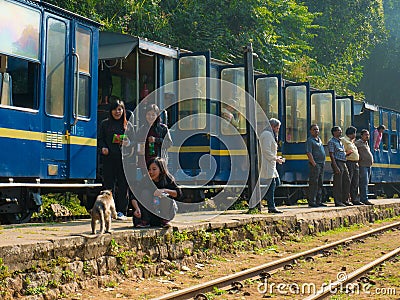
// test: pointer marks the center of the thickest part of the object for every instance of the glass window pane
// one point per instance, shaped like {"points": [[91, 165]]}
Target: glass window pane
{"points": [[321, 114], [343, 113], [393, 118], [393, 141], [296, 113], [233, 107], [83, 49], [55, 67], [385, 141], [20, 81], [192, 93], [376, 119], [385, 119], [83, 106], [19, 30], [267, 95]]}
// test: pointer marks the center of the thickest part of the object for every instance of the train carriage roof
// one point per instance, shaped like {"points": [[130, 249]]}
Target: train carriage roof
{"points": [[114, 45]]}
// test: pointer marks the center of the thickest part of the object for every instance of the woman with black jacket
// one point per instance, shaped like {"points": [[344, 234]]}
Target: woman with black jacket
{"points": [[111, 137], [153, 137]]}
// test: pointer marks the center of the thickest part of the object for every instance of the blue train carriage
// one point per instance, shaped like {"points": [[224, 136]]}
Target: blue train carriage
{"points": [[303, 106], [48, 86], [385, 176]]}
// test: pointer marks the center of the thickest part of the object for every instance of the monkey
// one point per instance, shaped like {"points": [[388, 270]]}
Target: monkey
{"points": [[103, 209]]}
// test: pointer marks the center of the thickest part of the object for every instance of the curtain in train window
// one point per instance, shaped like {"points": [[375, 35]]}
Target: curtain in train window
{"points": [[233, 108], [321, 114], [343, 113], [192, 92], [19, 30], [55, 67], [267, 97], [296, 113], [83, 46]]}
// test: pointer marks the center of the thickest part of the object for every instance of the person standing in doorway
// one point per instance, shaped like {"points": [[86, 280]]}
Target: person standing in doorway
{"points": [[110, 140], [316, 161]]}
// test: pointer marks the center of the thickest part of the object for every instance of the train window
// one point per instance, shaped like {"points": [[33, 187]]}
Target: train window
{"points": [[296, 113], [19, 37], [192, 93], [385, 119], [233, 111], [18, 82], [343, 113], [55, 67], [83, 47], [376, 119], [393, 141], [267, 96], [385, 141], [170, 88], [321, 114], [393, 122]]}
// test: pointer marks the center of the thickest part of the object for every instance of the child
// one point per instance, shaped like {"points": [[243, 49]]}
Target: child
{"points": [[155, 206]]}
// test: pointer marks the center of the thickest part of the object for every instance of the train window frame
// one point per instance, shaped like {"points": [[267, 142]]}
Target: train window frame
{"points": [[274, 105], [376, 119], [346, 109], [29, 19], [23, 77], [59, 88], [290, 132], [393, 134], [324, 126], [233, 101], [192, 104], [84, 77]]}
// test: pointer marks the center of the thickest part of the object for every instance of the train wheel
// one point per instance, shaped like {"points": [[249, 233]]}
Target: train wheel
{"points": [[18, 218]]}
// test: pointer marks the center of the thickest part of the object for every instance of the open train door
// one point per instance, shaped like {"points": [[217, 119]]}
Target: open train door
{"points": [[229, 146], [322, 106], [190, 155]]}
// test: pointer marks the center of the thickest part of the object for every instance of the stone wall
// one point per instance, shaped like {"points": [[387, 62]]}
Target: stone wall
{"points": [[49, 269]]}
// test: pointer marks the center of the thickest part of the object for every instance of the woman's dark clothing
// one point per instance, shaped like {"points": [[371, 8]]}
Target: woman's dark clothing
{"points": [[157, 214], [110, 133], [160, 132]]}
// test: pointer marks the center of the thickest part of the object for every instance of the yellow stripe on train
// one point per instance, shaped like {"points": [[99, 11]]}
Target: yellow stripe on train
{"points": [[44, 137]]}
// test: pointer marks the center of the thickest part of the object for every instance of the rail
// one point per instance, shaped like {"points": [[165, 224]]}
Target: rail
{"points": [[230, 280]]}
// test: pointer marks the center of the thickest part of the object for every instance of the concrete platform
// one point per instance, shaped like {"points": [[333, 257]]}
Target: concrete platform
{"points": [[32, 233], [62, 258]]}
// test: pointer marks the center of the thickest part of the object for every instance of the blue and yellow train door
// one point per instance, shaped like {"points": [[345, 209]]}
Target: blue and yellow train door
{"points": [[295, 128], [190, 153], [229, 147], [69, 121], [322, 106]]}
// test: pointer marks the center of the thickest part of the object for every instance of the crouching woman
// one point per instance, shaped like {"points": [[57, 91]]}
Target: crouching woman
{"points": [[157, 193]]}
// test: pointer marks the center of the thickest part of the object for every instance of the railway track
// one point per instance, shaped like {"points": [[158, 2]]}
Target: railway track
{"points": [[233, 281]]}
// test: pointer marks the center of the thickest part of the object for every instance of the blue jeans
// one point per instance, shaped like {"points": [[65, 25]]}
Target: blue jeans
{"points": [[365, 174], [269, 196]]}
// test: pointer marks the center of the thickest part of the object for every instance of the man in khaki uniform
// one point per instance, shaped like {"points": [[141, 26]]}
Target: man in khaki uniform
{"points": [[352, 158]]}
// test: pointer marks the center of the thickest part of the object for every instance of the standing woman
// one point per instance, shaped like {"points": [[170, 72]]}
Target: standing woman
{"points": [[153, 134], [110, 140]]}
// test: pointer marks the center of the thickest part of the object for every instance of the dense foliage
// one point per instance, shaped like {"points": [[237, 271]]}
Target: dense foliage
{"points": [[326, 42]]}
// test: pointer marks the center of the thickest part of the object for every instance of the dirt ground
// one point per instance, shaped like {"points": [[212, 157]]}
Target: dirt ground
{"points": [[385, 281]]}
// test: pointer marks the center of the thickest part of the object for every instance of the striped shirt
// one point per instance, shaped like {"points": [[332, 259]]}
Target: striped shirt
{"points": [[336, 147]]}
